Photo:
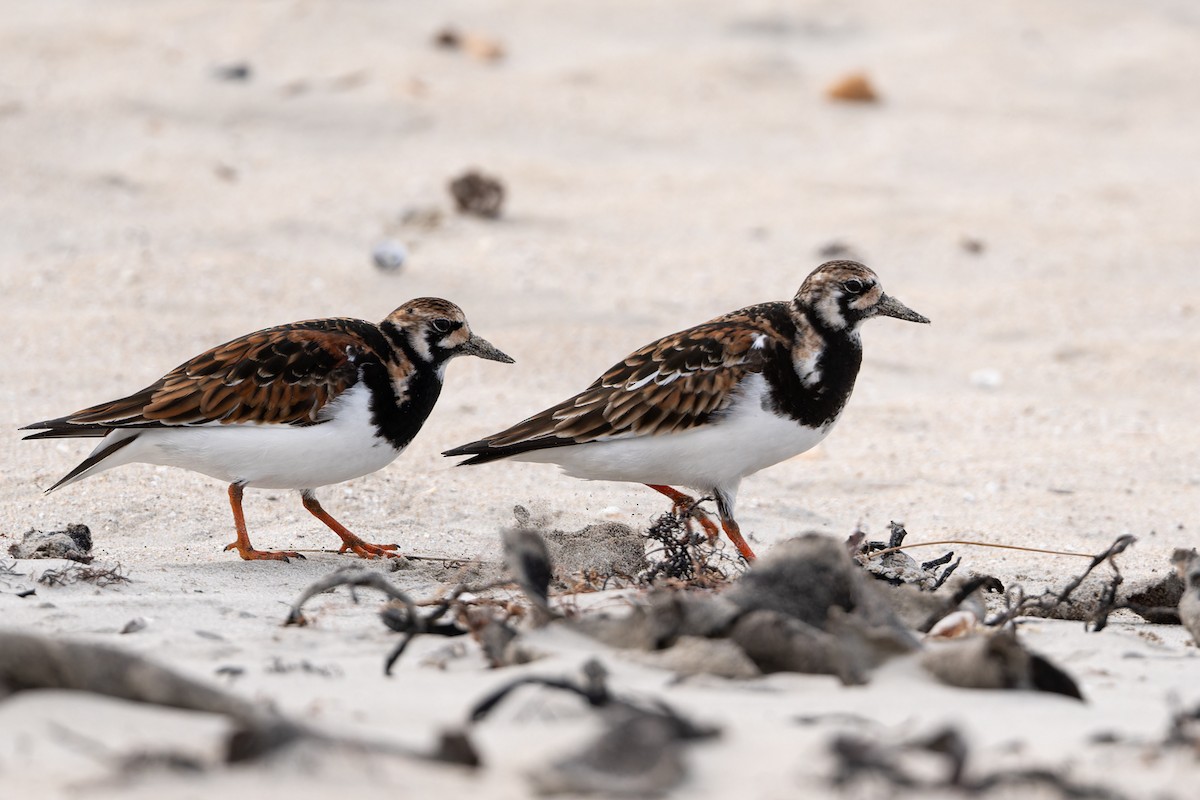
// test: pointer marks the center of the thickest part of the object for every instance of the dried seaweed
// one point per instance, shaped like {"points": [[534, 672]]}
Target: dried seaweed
{"points": [[683, 556], [83, 573]]}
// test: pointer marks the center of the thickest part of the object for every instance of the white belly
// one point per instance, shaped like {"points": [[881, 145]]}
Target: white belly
{"points": [[272, 456], [746, 440]]}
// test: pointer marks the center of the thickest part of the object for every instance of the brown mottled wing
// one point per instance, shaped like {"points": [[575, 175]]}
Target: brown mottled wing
{"points": [[667, 386], [283, 375]]}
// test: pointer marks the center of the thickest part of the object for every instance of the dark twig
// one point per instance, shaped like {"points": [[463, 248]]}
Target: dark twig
{"points": [[348, 576], [1019, 604]]}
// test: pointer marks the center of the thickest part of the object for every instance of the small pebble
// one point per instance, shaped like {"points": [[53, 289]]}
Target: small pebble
{"points": [[234, 72], [853, 88], [389, 255], [136, 624], [987, 378]]}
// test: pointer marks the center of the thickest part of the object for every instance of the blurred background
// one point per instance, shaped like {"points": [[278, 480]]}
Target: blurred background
{"points": [[1026, 174]]}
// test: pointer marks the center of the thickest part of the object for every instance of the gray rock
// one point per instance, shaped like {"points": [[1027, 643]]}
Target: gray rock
{"points": [[389, 255]]}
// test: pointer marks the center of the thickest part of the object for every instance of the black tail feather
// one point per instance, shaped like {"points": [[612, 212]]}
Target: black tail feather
{"points": [[483, 451], [91, 461], [72, 432]]}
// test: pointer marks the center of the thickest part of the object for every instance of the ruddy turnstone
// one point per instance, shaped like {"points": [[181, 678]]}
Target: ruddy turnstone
{"points": [[707, 406], [292, 407]]}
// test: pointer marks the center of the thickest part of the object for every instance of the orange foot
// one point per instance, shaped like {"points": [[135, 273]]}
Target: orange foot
{"points": [[364, 549], [250, 554]]}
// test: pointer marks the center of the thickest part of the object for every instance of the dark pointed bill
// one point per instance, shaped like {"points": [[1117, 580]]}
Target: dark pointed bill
{"points": [[478, 346], [889, 306]]}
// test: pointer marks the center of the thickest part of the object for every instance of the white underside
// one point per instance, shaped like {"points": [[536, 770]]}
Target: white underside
{"points": [[266, 456], [712, 457]]}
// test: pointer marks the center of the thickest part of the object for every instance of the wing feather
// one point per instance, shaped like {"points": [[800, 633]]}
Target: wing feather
{"points": [[286, 374], [671, 385]]}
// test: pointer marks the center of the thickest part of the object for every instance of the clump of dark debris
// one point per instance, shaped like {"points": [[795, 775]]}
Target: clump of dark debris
{"points": [[683, 556], [478, 194], [886, 561], [73, 543]]}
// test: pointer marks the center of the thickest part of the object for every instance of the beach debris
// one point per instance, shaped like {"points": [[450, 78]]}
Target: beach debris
{"points": [[237, 71], [9, 576], [1188, 564], [29, 662], [972, 245], [528, 561], [777, 643], [639, 754], [389, 255], [73, 543], [305, 667], [1084, 598], [424, 218], [134, 625], [476, 45], [450, 615], [838, 249], [806, 578], [854, 87], [1184, 730], [589, 558], [804, 607], [1158, 600], [699, 655], [685, 556], [477, 194], [862, 758], [667, 616], [1093, 610], [402, 618], [84, 573], [898, 567], [996, 660]]}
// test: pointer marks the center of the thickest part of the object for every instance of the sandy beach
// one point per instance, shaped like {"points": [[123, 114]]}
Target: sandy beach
{"points": [[1029, 179]]}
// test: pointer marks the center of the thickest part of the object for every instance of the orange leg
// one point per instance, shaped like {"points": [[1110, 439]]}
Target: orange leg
{"points": [[685, 505], [349, 540], [242, 545], [735, 535]]}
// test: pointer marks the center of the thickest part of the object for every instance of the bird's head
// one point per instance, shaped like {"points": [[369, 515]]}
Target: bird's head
{"points": [[839, 295], [436, 331]]}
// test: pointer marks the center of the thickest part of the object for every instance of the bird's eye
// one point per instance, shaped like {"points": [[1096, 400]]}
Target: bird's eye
{"points": [[441, 325], [853, 286]]}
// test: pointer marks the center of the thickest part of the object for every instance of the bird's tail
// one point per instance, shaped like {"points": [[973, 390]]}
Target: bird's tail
{"points": [[59, 429], [483, 451]]}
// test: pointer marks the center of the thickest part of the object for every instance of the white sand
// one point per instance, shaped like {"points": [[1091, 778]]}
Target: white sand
{"points": [[666, 162]]}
